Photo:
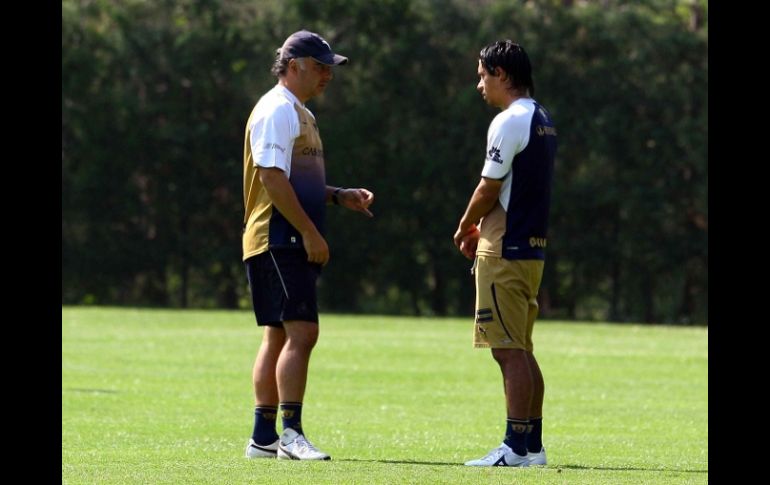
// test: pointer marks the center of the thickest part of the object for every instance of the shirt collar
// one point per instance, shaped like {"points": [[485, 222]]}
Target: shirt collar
{"points": [[286, 92]]}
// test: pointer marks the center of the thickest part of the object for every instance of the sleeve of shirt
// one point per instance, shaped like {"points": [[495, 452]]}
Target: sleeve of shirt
{"points": [[506, 137], [272, 137]]}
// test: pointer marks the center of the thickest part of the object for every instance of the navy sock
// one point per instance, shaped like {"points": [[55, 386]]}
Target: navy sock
{"points": [[516, 435], [535, 435], [264, 425], [291, 414]]}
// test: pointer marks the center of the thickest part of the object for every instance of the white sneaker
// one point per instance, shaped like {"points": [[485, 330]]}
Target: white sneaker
{"points": [[500, 456], [537, 459], [254, 450], [294, 446]]}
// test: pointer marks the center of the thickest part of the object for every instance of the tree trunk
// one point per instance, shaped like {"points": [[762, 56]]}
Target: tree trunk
{"points": [[648, 293], [438, 294], [687, 308]]}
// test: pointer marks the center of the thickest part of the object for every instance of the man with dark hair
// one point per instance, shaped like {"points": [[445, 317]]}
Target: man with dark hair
{"points": [[510, 205], [285, 194]]}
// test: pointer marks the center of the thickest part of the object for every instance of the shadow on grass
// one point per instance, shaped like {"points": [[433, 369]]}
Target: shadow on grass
{"points": [[90, 391], [558, 468], [630, 469], [402, 462]]}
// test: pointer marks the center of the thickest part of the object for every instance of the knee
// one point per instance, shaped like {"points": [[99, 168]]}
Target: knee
{"points": [[510, 356], [304, 340], [502, 356]]}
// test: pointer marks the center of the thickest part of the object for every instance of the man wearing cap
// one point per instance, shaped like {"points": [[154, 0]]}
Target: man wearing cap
{"points": [[285, 195]]}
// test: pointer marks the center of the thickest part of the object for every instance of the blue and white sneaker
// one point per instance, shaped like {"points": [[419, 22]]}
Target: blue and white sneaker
{"points": [[503, 455], [254, 450], [537, 459], [294, 446]]}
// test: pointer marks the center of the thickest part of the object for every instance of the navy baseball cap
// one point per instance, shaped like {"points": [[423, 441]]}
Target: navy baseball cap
{"points": [[310, 44]]}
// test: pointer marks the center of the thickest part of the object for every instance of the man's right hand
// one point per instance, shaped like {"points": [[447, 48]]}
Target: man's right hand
{"points": [[316, 247], [285, 200], [466, 241]]}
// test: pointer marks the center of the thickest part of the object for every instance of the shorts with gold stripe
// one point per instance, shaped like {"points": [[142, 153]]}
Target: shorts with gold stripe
{"points": [[506, 302]]}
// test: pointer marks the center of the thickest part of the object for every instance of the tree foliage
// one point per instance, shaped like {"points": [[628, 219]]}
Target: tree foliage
{"points": [[155, 96]]}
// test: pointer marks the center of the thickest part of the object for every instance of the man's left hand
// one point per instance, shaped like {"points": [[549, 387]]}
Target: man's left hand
{"points": [[357, 200]]}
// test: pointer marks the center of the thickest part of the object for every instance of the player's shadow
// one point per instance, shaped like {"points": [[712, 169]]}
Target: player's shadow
{"points": [[90, 391], [629, 468], [403, 462], [558, 468]]}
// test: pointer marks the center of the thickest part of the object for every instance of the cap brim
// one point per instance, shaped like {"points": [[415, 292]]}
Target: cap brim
{"points": [[332, 59]]}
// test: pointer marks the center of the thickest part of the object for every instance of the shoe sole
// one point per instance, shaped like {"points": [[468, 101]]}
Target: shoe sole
{"points": [[500, 462], [519, 465], [285, 455]]}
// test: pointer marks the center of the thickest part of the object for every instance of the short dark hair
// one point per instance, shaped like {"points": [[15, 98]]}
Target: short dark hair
{"points": [[280, 65], [511, 58]]}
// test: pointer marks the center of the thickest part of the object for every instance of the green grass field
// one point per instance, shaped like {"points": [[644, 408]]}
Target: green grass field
{"points": [[163, 396]]}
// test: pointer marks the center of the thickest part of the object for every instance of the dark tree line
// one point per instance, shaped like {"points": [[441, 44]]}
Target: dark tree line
{"points": [[155, 96]]}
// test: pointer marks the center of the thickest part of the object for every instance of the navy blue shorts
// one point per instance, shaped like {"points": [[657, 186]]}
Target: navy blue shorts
{"points": [[283, 286]]}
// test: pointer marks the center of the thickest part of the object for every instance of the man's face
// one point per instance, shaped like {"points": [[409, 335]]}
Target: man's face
{"points": [[491, 87], [314, 77]]}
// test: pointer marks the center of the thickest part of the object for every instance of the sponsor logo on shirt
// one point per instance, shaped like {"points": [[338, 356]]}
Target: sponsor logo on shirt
{"points": [[537, 242], [494, 155], [273, 146], [545, 130]]}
